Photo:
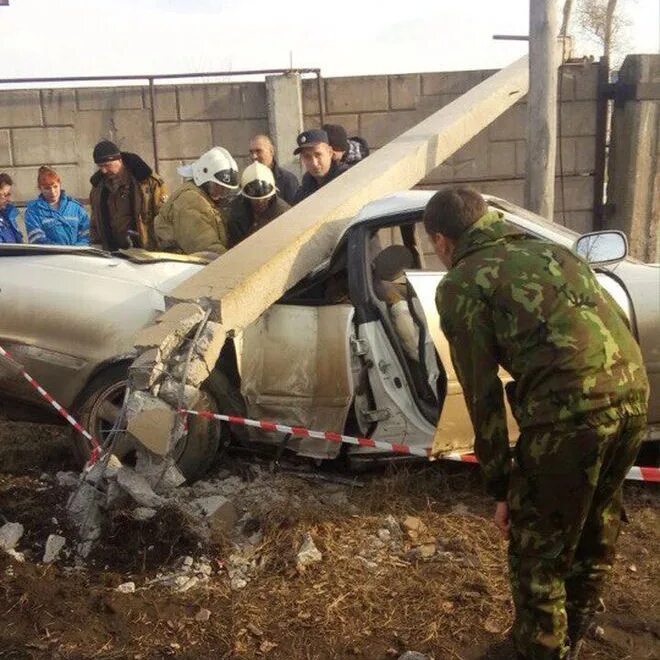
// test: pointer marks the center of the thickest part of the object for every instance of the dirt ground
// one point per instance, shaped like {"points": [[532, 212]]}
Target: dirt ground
{"points": [[441, 589]]}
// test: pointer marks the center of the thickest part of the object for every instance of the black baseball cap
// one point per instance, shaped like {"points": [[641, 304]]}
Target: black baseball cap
{"points": [[337, 137], [310, 138]]}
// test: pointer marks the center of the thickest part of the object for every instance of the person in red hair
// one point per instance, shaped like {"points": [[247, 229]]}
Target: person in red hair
{"points": [[54, 217]]}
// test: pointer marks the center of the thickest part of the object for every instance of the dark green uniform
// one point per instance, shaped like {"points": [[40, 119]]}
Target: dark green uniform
{"points": [[579, 394]]}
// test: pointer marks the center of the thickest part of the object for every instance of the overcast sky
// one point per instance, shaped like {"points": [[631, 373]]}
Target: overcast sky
{"points": [[342, 37]]}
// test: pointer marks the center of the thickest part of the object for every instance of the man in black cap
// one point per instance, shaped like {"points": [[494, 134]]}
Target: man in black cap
{"points": [[316, 156], [346, 150], [125, 198]]}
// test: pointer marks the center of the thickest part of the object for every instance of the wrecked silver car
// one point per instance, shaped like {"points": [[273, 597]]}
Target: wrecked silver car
{"points": [[355, 347]]}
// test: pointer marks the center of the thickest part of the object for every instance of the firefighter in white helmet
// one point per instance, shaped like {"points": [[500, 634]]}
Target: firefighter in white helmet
{"points": [[257, 204], [194, 217]]}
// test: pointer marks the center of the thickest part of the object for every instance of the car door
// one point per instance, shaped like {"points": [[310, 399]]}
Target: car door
{"points": [[295, 368]]}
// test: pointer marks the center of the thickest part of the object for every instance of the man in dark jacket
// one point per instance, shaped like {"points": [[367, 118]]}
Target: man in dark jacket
{"points": [[316, 156], [349, 151], [125, 198], [262, 151], [579, 396], [257, 204]]}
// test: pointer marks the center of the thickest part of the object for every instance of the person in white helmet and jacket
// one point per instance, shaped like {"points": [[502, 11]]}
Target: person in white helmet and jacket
{"points": [[193, 218], [256, 205]]}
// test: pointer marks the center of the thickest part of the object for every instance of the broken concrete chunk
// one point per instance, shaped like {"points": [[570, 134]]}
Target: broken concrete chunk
{"points": [[18, 556], [10, 535], [84, 508], [138, 488], [126, 588], [184, 582], [54, 544], [391, 524], [146, 369], [67, 479], [210, 343], [161, 473], [203, 615], [150, 422], [308, 553], [219, 512], [171, 392], [185, 314], [195, 372], [413, 655], [163, 336], [143, 513]]}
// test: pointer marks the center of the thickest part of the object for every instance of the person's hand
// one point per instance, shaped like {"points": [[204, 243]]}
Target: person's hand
{"points": [[501, 519]]}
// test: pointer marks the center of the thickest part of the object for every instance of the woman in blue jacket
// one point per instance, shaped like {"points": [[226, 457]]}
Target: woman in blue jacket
{"points": [[54, 217]]}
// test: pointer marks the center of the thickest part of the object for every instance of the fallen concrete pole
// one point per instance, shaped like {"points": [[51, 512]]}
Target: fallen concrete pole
{"points": [[236, 288], [245, 281]]}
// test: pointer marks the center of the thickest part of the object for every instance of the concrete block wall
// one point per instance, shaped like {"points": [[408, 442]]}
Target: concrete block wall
{"points": [[59, 127], [379, 108]]}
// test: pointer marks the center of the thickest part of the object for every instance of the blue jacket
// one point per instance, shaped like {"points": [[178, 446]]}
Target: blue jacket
{"points": [[8, 228], [66, 225]]}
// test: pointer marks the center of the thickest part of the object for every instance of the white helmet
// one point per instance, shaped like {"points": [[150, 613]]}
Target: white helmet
{"points": [[215, 165], [258, 182]]}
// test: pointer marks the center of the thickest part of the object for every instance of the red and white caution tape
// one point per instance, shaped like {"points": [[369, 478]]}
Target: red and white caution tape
{"points": [[96, 447], [307, 433], [640, 473], [636, 473]]}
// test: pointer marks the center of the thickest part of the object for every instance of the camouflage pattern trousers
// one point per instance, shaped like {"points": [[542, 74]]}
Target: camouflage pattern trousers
{"points": [[565, 504]]}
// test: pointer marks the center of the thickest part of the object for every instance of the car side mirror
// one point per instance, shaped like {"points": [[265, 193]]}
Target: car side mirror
{"points": [[602, 247]]}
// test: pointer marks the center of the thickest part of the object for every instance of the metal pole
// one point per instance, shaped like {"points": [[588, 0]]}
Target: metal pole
{"points": [[158, 76], [602, 121], [542, 108], [154, 133]]}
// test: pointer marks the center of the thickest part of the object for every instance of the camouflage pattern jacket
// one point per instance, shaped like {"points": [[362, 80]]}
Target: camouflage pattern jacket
{"points": [[536, 309]]}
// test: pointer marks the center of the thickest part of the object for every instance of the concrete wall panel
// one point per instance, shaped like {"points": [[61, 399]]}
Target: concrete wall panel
{"points": [[44, 146]]}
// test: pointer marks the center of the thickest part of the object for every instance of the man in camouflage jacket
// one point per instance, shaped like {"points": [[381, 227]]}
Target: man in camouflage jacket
{"points": [[579, 394]]}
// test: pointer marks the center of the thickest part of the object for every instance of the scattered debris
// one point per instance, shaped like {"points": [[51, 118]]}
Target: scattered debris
{"points": [[308, 554], [143, 513], [138, 488], [219, 512], [126, 588], [203, 615], [54, 545], [67, 479], [10, 535]]}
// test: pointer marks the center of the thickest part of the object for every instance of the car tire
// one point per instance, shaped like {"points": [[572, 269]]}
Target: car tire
{"points": [[101, 400]]}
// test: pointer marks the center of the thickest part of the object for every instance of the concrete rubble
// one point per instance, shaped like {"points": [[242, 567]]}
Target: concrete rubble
{"points": [[126, 588], [54, 545], [10, 535], [67, 479], [308, 554]]}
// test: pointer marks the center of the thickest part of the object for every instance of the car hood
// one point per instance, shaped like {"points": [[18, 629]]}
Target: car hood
{"points": [[160, 272]]}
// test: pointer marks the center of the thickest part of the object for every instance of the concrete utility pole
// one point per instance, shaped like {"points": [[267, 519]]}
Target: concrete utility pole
{"points": [[542, 108], [236, 288]]}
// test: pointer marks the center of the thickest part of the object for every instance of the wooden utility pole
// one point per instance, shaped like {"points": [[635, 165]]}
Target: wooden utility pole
{"points": [[542, 108]]}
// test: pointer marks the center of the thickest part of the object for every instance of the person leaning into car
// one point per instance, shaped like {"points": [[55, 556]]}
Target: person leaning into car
{"points": [[54, 218], [193, 221], [579, 395], [256, 205], [125, 198]]}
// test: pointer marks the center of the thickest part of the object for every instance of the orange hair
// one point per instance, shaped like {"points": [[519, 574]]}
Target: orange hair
{"points": [[47, 176]]}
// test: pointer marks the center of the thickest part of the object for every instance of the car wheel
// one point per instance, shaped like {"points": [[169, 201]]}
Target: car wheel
{"points": [[98, 408]]}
